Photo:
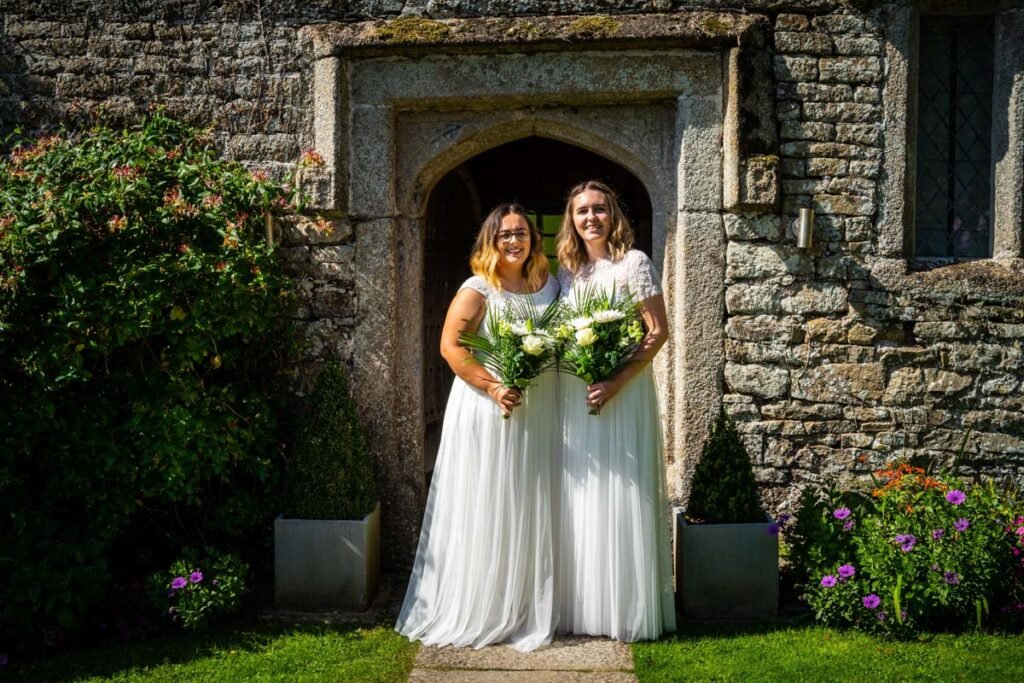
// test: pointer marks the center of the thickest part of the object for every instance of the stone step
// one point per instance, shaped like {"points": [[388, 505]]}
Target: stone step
{"points": [[570, 658], [572, 653], [471, 676]]}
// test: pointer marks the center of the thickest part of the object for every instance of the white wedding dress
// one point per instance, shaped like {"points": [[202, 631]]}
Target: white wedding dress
{"points": [[615, 574], [484, 568]]}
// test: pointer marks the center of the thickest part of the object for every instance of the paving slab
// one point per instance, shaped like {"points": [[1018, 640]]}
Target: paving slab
{"points": [[570, 653], [449, 676]]}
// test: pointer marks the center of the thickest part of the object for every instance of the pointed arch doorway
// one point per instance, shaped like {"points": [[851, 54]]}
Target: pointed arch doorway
{"points": [[537, 172]]}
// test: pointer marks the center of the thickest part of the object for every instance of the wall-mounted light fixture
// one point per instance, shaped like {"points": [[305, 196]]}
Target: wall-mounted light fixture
{"points": [[805, 229]]}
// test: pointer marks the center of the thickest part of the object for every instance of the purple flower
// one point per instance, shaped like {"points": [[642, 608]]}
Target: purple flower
{"points": [[773, 529], [841, 513], [785, 517], [961, 524], [871, 601], [849, 525], [906, 541], [195, 577], [935, 567], [952, 578], [956, 496], [179, 582], [881, 616], [170, 592], [828, 581], [938, 533], [846, 571]]}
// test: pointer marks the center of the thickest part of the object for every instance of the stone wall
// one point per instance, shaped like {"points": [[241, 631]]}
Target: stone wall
{"points": [[837, 360]]}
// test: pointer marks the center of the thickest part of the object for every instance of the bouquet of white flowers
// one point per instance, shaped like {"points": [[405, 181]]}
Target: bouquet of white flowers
{"points": [[517, 346], [599, 333]]}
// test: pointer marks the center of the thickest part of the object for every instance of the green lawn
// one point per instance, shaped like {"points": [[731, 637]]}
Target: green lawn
{"points": [[778, 653], [705, 652], [253, 654]]}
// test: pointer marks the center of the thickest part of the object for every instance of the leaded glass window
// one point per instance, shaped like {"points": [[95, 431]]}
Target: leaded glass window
{"points": [[954, 138]]}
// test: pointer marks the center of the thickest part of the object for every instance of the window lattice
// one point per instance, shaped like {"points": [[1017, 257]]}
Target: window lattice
{"points": [[954, 138]]}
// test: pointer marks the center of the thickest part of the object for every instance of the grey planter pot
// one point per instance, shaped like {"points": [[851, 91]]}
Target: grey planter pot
{"points": [[324, 564], [726, 570]]}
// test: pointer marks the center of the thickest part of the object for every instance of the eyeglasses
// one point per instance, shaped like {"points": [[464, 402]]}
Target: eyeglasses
{"points": [[508, 237]]}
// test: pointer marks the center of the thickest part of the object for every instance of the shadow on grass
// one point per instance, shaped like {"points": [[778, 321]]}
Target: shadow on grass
{"points": [[124, 659], [702, 629]]}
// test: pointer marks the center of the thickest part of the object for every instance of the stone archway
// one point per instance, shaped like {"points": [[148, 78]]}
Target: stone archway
{"points": [[534, 171], [394, 122]]}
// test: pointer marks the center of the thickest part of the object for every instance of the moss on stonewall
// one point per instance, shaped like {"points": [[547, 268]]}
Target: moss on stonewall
{"points": [[411, 31], [592, 27]]}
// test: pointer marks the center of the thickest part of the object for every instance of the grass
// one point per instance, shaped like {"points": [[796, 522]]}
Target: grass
{"points": [[729, 652], [699, 652], [253, 653]]}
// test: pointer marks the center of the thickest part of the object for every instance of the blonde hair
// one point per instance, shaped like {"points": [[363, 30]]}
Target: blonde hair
{"points": [[571, 252], [484, 258]]}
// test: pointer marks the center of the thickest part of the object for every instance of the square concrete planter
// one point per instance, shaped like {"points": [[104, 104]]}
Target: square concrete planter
{"points": [[326, 564], [726, 570]]}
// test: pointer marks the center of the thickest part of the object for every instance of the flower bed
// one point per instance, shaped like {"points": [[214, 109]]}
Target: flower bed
{"points": [[916, 552]]}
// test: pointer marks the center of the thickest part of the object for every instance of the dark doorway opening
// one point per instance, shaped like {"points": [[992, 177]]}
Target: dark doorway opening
{"points": [[537, 173]]}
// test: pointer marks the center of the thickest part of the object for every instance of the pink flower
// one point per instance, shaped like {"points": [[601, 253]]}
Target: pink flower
{"points": [[871, 601], [956, 496], [311, 157], [195, 577], [179, 582]]}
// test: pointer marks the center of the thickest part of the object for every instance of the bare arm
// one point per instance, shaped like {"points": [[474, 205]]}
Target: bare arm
{"points": [[465, 314], [656, 321]]}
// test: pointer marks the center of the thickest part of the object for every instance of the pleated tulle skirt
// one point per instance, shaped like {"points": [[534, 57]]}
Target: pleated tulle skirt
{"points": [[484, 568], [615, 574]]}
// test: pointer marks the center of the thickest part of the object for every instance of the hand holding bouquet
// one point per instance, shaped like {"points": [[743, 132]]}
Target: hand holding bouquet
{"points": [[599, 333], [517, 346]]}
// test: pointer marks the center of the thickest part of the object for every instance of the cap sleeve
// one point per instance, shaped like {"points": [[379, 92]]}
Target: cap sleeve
{"points": [[644, 280], [477, 284], [564, 278]]}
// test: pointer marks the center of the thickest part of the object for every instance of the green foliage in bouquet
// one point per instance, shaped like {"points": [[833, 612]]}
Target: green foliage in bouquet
{"points": [[200, 587], [330, 471], [599, 331], [143, 320], [921, 552], [723, 489], [517, 346]]}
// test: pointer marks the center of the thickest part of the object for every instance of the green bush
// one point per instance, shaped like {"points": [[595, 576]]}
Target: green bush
{"points": [[142, 321], [919, 553], [723, 489], [330, 472], [200, 587]]}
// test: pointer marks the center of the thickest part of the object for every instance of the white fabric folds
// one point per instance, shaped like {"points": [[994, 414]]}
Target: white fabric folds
{"points": [[484, 568]]}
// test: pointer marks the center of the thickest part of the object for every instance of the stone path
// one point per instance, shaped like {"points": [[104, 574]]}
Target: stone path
{"points": [[571, 659]]}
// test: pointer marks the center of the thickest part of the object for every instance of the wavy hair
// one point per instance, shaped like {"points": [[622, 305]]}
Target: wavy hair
{"points": [[572, 253], [484, 258]]}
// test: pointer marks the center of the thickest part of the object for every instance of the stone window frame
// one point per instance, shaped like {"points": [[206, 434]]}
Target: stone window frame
{"points": [[896, 220]]}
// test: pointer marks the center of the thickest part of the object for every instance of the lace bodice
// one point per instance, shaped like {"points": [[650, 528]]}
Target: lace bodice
{"points": [[633, 273], [496, 297]]}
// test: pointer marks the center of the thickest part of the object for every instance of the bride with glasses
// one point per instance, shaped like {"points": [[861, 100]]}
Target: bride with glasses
{"points": [[484, 568]]}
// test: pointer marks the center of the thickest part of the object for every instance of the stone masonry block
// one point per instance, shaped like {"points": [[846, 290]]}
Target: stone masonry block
{"points": [[850, 69], [803, 43], [789, 68], [756, 261]]}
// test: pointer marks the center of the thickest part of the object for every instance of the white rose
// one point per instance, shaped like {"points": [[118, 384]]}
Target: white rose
{"points": [[608, 316], [520, 329], [586, 336], [581, 323], [533, 345]]}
